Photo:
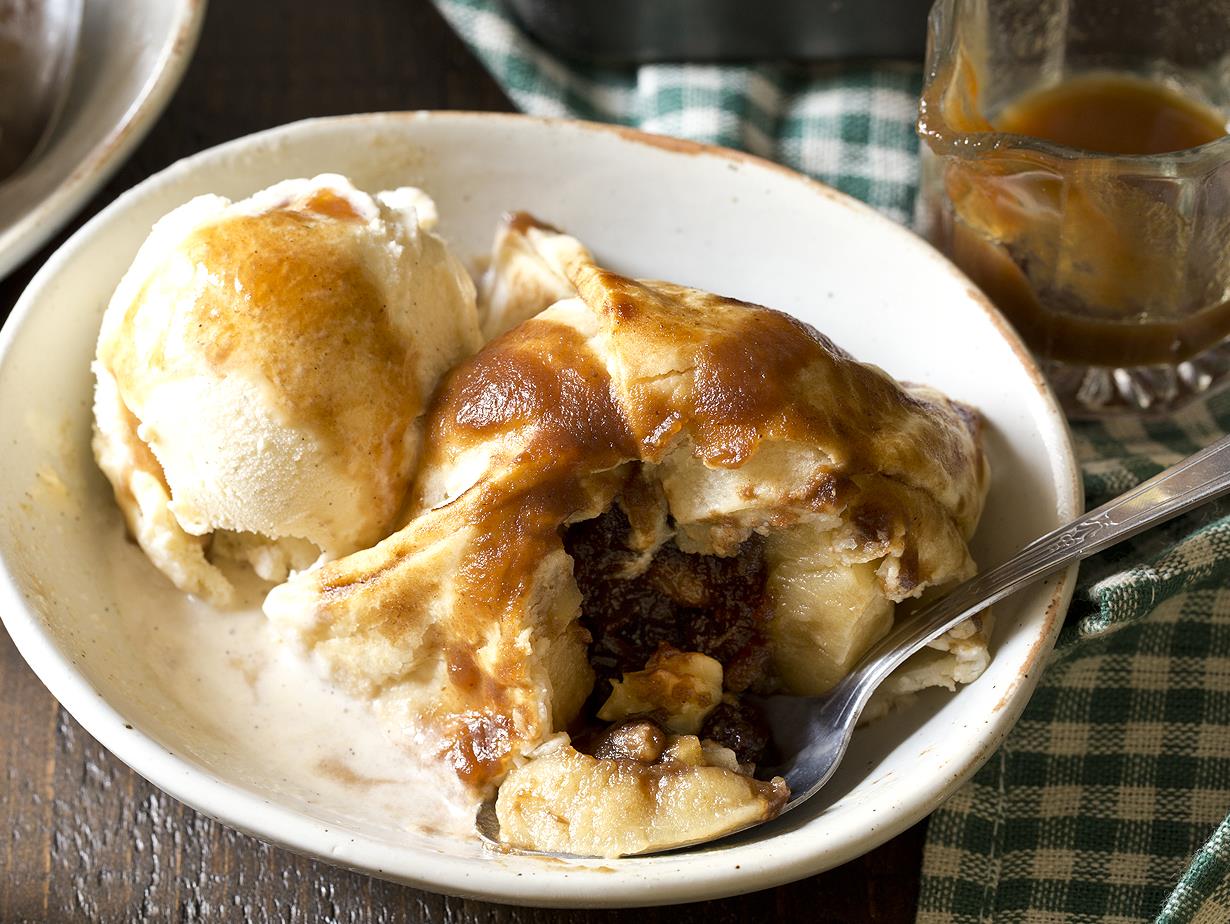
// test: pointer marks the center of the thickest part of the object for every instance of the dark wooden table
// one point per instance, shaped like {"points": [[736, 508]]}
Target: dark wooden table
{"points": [[82, 837]]}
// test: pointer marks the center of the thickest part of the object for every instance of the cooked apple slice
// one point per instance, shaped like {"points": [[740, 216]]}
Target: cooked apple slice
{"points": [[681, 686], [568, 802]]}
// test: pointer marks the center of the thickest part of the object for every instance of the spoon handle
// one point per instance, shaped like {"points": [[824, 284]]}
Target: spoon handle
{"points": [[1198, 478]]}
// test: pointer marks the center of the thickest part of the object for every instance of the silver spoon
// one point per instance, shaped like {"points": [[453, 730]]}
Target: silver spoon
{"points": [[38, 49], [816, 730]]}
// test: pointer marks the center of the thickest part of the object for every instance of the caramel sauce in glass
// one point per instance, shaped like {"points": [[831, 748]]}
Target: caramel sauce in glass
{"points": [[1085, 266], [1112, 114]]}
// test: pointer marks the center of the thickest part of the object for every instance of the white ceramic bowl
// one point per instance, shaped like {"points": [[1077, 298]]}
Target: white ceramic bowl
{"points": [[132, 55], [647, 205]]}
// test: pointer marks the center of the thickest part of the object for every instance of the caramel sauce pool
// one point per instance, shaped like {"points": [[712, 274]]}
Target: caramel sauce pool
{"points": [[1113, 114]]}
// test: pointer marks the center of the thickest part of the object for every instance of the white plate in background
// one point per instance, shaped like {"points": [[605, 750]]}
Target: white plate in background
{"points": [[646, 205], [131, 57]]}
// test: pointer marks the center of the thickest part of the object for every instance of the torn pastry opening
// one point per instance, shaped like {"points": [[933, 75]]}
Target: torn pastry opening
{"points": [[676, 639]]}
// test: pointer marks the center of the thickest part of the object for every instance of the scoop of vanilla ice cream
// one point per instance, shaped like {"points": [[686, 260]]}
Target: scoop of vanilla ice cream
{"points": [[261, 369]]}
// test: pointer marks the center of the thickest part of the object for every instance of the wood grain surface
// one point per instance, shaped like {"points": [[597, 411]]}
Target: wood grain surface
{"points": [[82, 837]]}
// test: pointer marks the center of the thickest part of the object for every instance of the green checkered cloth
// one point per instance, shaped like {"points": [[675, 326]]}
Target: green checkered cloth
{"points": [[1109, 800]]}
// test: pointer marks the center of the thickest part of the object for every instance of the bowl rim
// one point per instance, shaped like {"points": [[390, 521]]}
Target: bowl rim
{"points": [[31, 230], [752, 867]]}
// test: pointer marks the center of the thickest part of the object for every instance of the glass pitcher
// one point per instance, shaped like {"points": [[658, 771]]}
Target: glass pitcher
{"points": [[1115, 268]]}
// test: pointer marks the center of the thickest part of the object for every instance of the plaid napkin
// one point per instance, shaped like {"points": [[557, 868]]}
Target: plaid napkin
{"points": [[1109, 800]]}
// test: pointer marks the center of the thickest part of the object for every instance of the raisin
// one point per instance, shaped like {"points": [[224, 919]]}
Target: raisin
{"points": [[739, 727], [749, 667]]}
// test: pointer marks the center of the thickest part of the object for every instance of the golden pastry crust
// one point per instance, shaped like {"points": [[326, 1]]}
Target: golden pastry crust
{"points": [[528, 272], [739, 418]]}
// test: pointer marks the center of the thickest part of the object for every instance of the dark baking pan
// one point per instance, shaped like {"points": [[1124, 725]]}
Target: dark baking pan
{"points": [[637, 31]]}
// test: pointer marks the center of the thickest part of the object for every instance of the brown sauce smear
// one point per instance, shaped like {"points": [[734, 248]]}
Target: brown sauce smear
{"points": [[327, 202], [545, 380], [541, 376], [752, 370], [317, 301], [743, 385], [522, 222], [480, 751]]}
